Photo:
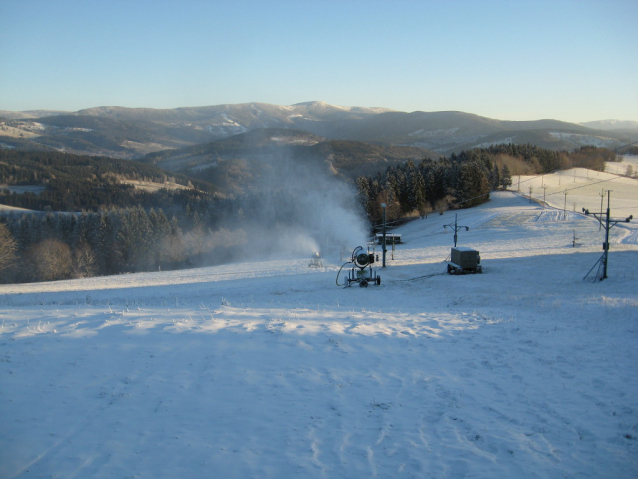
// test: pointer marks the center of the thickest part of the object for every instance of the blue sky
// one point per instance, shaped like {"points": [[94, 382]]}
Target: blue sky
{"points": [[510, 60]]}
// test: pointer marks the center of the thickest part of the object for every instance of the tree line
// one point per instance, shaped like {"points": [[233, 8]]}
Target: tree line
{"points": [[465, 179], [46, 246], [84, 183]]}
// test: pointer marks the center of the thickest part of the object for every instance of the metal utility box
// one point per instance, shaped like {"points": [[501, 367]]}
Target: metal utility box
{"points": [[465, 257], [464, 260]]}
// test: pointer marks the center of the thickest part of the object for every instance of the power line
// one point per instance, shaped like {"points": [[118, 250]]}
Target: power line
{"points": [[575, 165], [609, 223], [588, 184]]}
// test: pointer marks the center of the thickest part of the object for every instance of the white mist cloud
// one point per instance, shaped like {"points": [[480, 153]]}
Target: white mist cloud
{"points": [[303, 208]]}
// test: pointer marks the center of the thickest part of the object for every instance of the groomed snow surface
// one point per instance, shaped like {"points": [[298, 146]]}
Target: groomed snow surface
{"points": [[270, 370]]}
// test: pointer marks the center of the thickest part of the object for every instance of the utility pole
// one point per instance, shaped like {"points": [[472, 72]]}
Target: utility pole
{"points": [[609, 223], [602, 196], [383, 206], [565, 207], [544, 191], [530, 194], [456, 228]]}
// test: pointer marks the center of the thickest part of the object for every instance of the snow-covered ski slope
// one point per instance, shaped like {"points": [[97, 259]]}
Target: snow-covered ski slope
{"points": [[269, 369]]}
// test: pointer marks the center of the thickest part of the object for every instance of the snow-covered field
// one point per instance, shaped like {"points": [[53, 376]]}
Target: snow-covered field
{"points": [[620, 168], [269, 369], [585, 188]]}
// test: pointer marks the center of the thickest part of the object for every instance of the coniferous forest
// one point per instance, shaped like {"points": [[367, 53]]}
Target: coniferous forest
{"points": [[88, 221], [464, 180]]}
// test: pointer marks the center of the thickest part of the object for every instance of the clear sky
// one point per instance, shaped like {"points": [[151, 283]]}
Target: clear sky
{"points": [[572, 60]]}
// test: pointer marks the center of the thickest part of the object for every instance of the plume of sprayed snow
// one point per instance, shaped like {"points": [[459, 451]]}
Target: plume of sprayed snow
{"points": [[304, 209]]}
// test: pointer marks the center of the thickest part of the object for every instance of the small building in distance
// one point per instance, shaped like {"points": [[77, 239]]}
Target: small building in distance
{"points": [[390, 238]]}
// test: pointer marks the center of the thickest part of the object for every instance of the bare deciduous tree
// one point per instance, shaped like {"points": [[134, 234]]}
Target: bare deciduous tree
{"points": [[84, 262], [442, 205], [49, 260], [8, 248]]}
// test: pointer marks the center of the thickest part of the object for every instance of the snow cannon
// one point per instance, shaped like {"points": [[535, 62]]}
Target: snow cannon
{"points": [[361, 270], [315, 260]]}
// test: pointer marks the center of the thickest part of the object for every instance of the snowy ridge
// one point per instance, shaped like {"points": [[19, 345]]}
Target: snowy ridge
{"points": [[443, 132], [579, 139], [269, 369]]}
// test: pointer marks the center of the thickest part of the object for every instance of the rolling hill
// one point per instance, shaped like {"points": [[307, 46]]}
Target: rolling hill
{"points": [[239, 162], [65, 182], [613, 125], [135, 132]]}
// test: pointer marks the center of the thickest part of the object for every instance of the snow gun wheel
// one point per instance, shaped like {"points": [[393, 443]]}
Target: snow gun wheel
{"points": [[378, 280], [363, 283]]}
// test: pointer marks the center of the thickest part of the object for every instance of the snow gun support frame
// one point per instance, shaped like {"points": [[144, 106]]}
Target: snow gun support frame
{"points": [[361, 271]]}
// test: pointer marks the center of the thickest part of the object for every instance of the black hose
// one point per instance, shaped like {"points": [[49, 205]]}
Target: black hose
{"points": [[339, 272]]}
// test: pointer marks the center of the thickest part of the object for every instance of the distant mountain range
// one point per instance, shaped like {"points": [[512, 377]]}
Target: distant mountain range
{"points": [[134, 132], [613, 125]]}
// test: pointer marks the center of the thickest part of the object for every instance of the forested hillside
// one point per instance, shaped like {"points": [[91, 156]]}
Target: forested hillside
{"points": [[240, 163], [464, 180], [50, 246], [133, 132], [82, 183]]}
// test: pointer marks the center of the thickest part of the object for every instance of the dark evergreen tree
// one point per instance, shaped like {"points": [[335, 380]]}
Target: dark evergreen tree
{"points": [[363, 192], [472, 186], [495, 178], [134, 240], [506, 178], [8, 252], [416, 197]]}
